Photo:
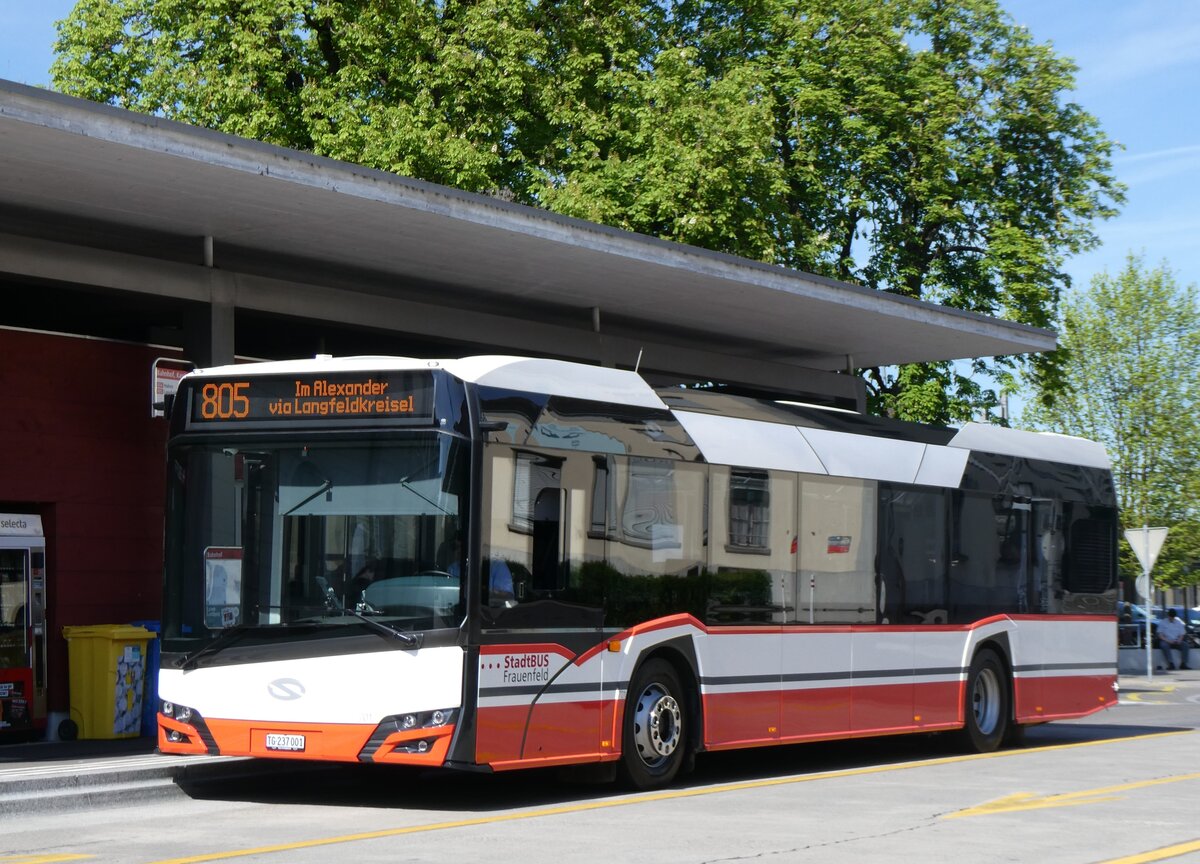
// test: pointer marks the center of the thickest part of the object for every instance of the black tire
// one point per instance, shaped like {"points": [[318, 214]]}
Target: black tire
{"points": [[655, 729], [1014, 738], [68, 730], [986, 704]]}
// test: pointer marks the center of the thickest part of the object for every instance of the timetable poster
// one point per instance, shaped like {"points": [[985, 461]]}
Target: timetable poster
{"points": [[222, 586]]}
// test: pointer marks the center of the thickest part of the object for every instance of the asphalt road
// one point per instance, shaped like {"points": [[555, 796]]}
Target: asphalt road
{"points": [[1123, 786]]}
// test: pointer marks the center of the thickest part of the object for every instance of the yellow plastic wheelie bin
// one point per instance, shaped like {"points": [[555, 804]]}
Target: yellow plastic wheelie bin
{"points": [[107, 671]]}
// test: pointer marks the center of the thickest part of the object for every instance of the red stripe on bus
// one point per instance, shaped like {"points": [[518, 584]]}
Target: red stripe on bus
{"points": [[563, 733], [687, 620], [527, 648]]}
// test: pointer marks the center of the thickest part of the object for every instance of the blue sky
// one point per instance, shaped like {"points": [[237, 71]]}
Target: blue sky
{"points": [[1139, 74]]}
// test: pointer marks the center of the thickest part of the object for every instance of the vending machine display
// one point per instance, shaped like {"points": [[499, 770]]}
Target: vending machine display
{"points": [[22, 625]]}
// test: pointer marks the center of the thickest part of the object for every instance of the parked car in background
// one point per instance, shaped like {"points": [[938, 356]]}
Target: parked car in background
{"points": [[1131, 623]]}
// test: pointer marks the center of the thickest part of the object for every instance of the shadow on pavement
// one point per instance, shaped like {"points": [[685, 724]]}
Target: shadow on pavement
{"points": [[392, 787]]}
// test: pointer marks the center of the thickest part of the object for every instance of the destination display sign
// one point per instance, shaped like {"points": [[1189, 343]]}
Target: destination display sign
{"points": [[334, 397]]}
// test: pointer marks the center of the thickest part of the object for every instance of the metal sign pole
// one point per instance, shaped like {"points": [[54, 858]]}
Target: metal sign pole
{"points": [[1149, 591], [1146, 544]]}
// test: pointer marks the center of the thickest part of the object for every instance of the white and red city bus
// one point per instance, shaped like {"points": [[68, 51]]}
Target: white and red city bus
{"points": [[495, 563]]}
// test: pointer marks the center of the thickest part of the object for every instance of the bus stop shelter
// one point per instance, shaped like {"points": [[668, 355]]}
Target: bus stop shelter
{"points": [[210, 241], [128, 240]]}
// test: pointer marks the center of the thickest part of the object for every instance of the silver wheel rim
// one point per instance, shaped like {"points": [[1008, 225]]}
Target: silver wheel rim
{"points": [[985, 700], [657, 725]]}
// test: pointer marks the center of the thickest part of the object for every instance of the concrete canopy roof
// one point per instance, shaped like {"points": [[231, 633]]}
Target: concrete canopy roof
{"points": [[306, 220]]}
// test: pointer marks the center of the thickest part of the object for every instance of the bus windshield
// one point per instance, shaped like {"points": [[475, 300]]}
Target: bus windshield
{"points": [[297, 535]]}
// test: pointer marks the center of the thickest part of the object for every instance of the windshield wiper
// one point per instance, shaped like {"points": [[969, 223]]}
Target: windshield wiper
{"points": [[414, 490], [323, 488], [334, 605], [410, 639], [227, 638]]}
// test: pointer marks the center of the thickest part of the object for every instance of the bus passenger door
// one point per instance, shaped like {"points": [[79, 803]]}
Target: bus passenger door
{"points": [[1044, 551], [565, 712], [830, 651]]}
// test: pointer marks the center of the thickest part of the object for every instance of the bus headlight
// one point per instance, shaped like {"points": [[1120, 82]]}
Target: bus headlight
{"points": [[424, 719], [182, 713]]}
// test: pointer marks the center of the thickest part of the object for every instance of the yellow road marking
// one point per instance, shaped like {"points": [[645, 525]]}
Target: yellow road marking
{"points": [[642, 799], [1137, 697], [1157, 854], [1028, 801], [40, 859]]}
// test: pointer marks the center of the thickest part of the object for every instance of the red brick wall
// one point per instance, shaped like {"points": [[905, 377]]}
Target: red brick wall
{"points": [[78, 446]]}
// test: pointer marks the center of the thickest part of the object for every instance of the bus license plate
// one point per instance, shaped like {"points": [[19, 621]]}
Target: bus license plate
{"points": [[276, 741]]}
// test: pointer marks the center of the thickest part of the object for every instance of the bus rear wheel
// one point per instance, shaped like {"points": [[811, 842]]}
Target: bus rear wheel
{"points": [[655, 727], [987, 704]]}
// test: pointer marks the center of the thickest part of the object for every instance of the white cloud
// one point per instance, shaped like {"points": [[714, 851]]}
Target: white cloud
{"points": [[1165, 153], [1139, 169], [1148, 42]]}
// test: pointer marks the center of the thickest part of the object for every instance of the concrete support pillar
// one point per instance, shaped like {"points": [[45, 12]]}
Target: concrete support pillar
{"points": [[221, 314], [208, 333]]}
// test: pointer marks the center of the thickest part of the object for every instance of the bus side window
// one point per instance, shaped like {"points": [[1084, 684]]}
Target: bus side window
{"points": [[912, 555], [1089, 564], [836, 545], [522, 524]]}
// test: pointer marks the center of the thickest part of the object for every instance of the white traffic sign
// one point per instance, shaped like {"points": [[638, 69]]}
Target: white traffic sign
{"points": [[1146, 543]]}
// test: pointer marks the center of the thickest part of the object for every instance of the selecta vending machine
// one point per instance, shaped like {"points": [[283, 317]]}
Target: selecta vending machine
{"points": [[22, 626]]}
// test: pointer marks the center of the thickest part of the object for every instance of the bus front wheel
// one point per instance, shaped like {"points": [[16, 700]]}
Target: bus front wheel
{"points": [[987, 703], [654, 738]]}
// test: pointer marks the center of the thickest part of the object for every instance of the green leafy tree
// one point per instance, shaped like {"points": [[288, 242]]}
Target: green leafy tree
{"points": [[960, 171], [924, 147], [431, 90], [1130, 344], [1178, 565]]}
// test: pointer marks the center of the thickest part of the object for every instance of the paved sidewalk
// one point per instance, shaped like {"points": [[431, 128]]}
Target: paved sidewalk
{"points": [[49, 753], [1131, 665], [64, 775], [1163, 677]]}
